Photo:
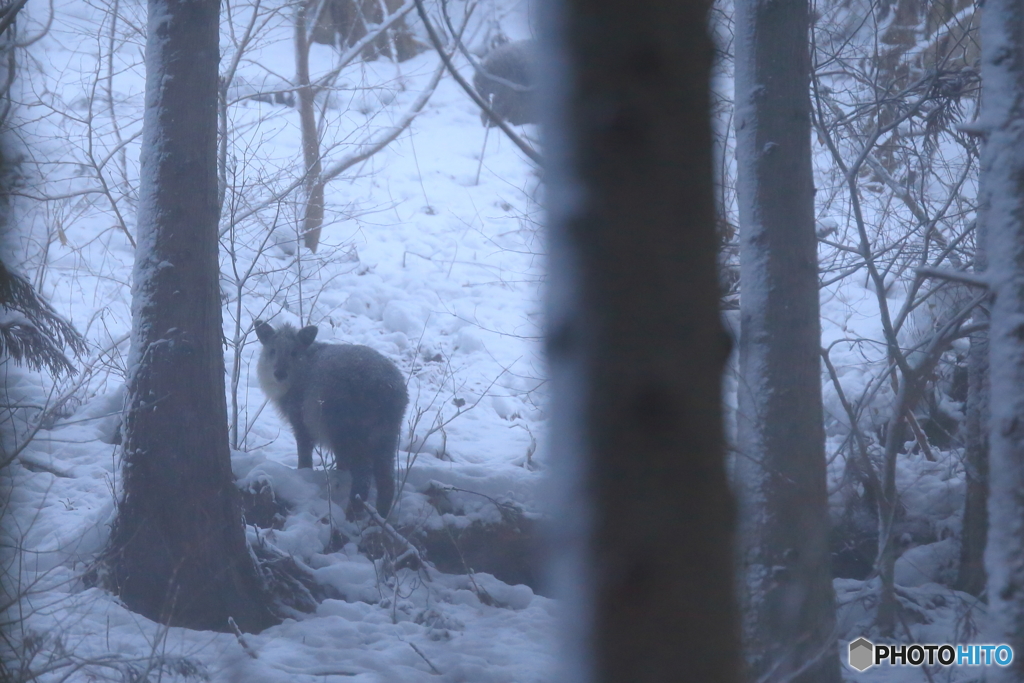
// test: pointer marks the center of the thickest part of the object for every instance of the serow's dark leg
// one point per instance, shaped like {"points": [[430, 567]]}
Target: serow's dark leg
{"points": [[384, 477], [360, 484]]}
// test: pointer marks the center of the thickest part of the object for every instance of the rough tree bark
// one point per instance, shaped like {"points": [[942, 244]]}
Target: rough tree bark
{"points": [[1002, 202], [636, 346], [785, 583], [177, 552]]}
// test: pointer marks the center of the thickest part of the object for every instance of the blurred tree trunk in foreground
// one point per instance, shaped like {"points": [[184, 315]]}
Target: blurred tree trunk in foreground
{"points": [[1002, 204], [636, 346], [177, 552], [786, 581]]}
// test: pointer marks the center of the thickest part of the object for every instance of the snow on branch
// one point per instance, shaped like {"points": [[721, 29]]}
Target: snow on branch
{"points": [[960, 276]]}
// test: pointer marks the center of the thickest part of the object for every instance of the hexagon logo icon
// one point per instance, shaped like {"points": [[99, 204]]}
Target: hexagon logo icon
{"points": [[862, 654]]}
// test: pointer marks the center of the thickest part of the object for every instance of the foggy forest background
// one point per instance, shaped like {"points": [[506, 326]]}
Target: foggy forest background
{"points": [[694, 319]]}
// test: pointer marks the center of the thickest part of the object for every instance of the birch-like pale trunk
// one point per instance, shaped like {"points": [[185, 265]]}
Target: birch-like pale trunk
{"points": [[1002, 202], [786, 582], [313, 215]]}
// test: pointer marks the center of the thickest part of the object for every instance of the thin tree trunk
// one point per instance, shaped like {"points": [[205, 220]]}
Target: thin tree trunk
{"points": [[971, 576], [1002, 201], [637, 348], [786, 584], [177, 551], [895, 436], [313, 216]]}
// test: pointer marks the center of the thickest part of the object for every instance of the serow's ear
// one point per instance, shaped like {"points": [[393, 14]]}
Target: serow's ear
{"points": [[264, 331], [306, 335]]}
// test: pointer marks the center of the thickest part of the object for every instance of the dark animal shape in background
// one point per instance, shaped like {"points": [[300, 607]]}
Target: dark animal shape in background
{"points": [[507, 80], [343, 23], [285, 98], [266, 89], [346, 397]]}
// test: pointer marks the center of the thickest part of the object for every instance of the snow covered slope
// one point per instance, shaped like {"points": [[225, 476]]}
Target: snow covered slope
{"points": [[433, 266]]}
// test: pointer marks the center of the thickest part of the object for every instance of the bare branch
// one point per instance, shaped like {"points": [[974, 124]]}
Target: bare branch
{"points": [[471, 91], [961, 276]]}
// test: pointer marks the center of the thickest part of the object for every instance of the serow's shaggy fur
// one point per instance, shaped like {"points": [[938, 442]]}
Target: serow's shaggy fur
{"points": [[507, 80], [346, 397]]}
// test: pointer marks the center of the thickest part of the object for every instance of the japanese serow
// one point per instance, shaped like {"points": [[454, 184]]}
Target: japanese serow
{"points": [[507, 80], [345, 397]]}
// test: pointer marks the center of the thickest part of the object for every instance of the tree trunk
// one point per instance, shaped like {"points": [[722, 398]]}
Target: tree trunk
{"points": [[1002, 201], [313, 216], [786, 580], [636, 347], [971, 576], [177, 551]]}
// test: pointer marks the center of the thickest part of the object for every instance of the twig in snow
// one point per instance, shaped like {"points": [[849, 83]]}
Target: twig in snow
{"points": [[429, 663], [920, 436], [241, 638], [410, 550]]}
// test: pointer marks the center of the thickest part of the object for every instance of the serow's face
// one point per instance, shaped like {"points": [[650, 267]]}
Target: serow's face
{"points": [[283, 351]]}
